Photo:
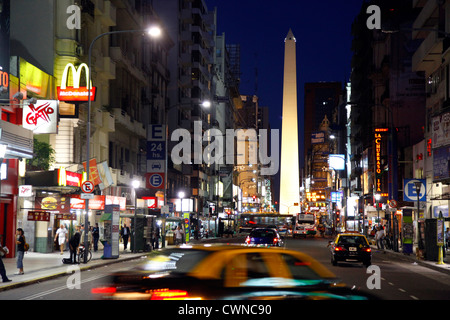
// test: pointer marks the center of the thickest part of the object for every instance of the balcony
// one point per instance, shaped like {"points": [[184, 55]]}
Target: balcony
{"points": [[109, 14], [428, 56], [124, 120], [108, 70]]}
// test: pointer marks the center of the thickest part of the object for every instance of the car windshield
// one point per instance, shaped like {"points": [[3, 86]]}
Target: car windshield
{"points": [[263, 233], [174, 260], [352, 240]]}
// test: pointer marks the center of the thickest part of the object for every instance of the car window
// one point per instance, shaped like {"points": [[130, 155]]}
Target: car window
{"points": [[174, 260], [300, 270], [262, 233], [244, 267], [352, 240]]}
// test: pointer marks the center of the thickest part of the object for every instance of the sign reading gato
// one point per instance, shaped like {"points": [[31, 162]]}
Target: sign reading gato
{"points": [[75, 92]]}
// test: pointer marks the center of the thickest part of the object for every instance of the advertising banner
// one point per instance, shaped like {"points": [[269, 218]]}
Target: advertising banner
{"points": [[408, 231], [38, 216], [41, 117], [4, 47]]}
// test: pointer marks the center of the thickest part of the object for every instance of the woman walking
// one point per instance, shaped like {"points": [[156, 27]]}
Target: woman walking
{"points": [[20, 249]]}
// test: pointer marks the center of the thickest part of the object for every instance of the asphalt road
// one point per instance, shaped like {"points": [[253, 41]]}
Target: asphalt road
{"points": [[389, 278]]}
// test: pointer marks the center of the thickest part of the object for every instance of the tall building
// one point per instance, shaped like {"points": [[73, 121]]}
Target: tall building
{"points": [[289, 168]]}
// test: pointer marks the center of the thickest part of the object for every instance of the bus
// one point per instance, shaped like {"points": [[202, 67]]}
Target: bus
{"points": [[305, 225], [284, 223]]}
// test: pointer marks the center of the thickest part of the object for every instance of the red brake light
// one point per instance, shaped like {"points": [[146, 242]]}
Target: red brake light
{"points": [[104, 290], [247, 240], [339, 249], [166, 294], [275, 240], [368, 249]]}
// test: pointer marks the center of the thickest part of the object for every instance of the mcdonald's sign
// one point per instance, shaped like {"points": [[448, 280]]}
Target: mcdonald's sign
{"points": [[75, 93]]}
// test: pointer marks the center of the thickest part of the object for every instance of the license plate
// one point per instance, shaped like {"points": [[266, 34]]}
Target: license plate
{"points": [[352, 249]]}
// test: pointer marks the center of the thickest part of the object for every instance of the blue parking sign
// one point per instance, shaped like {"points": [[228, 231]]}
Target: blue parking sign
{"points": [[409, 190], [156, 150]]}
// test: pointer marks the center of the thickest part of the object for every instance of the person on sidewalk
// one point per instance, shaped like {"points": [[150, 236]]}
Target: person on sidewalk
{"points": [[178, 236], [125, 233], [20, 249], [74, 243], [61, 237], [2, 266], [89, 236], [96, 236], [379, 235]]}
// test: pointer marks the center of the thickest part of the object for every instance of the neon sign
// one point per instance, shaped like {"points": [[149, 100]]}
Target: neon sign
{"points": [[75, 93], [378, 168]]}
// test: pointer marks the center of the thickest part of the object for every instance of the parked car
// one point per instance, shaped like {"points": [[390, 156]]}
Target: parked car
{"points": [[350, 247], [264, 236], [227, 272]]}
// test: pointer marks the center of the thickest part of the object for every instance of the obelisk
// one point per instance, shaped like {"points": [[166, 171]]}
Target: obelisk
{"points": [[289, 168]]}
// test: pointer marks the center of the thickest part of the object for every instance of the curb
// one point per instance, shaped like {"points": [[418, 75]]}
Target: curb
{"points": [[83, 267]]}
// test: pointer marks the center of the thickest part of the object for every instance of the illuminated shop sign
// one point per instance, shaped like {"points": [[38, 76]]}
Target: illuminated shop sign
{"points": [[4, 78], [41, 117], [75, 92], [379, 144], [68, 178]]}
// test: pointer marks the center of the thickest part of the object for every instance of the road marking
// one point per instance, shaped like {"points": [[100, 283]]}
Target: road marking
{"points": [[402, 290], [44, 293], [415, 298]]}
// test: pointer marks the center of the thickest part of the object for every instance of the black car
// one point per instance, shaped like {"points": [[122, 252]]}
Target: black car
{"points": [[350, 247], [264, 236]]}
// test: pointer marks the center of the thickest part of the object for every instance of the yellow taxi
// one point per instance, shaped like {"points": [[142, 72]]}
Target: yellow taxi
{"points": [[350, 247], [226, 272]]}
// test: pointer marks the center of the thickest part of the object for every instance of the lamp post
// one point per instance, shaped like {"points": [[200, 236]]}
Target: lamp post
{"points": [[135, 184], [154, 32], [377, 198], [418, 186]]}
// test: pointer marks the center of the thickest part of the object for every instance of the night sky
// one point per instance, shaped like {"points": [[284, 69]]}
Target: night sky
{"points": [[323, 33], [322, 30]]}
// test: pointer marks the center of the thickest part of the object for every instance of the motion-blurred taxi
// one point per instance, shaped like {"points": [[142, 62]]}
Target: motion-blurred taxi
{"points": [[226, 272], [350, 247]]}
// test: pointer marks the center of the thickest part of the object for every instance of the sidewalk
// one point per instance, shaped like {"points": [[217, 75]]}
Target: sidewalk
{"points": [[413, 259], [43, 266]]}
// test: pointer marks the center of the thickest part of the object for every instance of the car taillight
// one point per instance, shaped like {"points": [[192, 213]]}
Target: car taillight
{"points": [[367, 249], [275, 241], [339, 248], [247, 240], [167, 294], [104, 290]]}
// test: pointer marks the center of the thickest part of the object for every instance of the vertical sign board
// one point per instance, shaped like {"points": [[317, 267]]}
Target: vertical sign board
{"points": [[4, 47], [186, 226], [156, 156], [380, 146], [113, 241], [408, 231]]}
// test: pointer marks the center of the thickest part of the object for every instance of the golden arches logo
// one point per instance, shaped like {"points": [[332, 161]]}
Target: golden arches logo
{"points": [[75, 93]]}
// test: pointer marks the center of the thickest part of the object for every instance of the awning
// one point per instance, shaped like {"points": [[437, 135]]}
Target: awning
{"points": [[106, 217]]}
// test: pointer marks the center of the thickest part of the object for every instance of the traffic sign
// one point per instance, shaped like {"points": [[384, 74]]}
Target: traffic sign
{"points": [[87, 187], [85, 196], [410, 193], [154, 180], [393, 203]]}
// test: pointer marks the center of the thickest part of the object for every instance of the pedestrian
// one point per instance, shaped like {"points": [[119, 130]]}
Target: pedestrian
{"points": [[74, 243], [178, 236], [125, 233], [61, 237], [89, 236], [20, 241], [96, 236], [3, 252], [379, 235]]}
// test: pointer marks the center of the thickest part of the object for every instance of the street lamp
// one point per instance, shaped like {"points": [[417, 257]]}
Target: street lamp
{"points": [[135, 184], [418, 186], [181, 196], [153, 31], [377, 198]]}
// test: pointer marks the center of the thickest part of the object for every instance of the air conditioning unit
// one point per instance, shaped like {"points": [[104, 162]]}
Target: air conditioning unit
{"points": [[79, 50]]}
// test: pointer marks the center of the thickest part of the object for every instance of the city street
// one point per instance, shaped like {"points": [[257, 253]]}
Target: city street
{"points": [[400, 279]]}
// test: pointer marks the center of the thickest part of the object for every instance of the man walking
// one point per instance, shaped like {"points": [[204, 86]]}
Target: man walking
{"points": [[96, 236], [125, 233], [2, 266]]}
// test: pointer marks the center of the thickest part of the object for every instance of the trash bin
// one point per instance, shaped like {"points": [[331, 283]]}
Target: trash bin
{"points": [[107, 250]]}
